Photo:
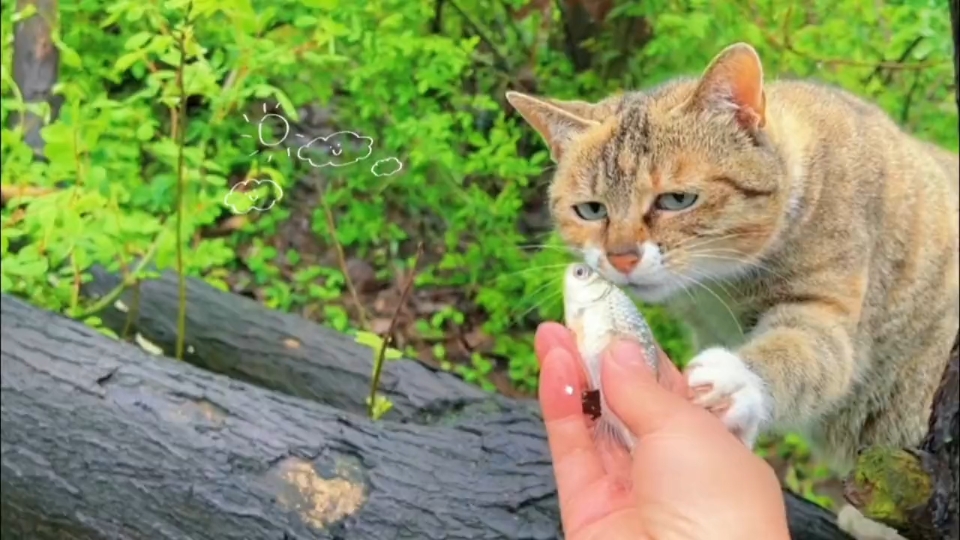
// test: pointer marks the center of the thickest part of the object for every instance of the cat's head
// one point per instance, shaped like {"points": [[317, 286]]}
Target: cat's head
{"points": [[663, 188]]}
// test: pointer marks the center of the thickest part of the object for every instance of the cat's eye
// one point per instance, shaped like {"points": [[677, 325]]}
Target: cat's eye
{"points": [[590, 211], [673, 202]]}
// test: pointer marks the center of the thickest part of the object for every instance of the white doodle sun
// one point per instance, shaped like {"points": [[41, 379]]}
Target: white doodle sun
{"points": [[260, 131]]}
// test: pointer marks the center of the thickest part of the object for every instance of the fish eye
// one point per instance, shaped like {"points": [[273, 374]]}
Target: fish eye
{"points": [[581, 271], [590, 211], [674, 202]]}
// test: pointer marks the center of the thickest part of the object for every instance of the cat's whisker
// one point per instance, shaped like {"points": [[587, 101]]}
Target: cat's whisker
{"points": [[540, 302], [693, 242], [562, 249], [674, 281], [714, 250], [721, 253], [516, 312], [715, 295], [525, 271], [719, 282], [700, 240], [754, 263]]}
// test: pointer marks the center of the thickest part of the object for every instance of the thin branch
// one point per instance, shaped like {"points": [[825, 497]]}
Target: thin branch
{"points": [[181, 127], [131, 279], [388, 338], [504, 64], [786, 44], [342, 260], [134, 312], [908, 100], [8, 192], [437, 24], [880, 64]]}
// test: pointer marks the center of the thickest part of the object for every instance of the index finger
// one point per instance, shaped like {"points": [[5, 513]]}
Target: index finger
{"points": [[576, 462]]}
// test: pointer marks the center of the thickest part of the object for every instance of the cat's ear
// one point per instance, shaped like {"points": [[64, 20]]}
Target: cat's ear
{"points": [[558, 122], [733, 82]]}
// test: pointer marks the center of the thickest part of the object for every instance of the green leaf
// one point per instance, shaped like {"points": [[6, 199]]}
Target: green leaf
{"points": [[138, 40], [326, 5], [17, 266], [145, 131], [68, 56], [375, 342], [124, 62]]}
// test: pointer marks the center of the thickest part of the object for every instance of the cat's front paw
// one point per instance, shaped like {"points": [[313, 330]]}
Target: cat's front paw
{"points": [[723, 384]]}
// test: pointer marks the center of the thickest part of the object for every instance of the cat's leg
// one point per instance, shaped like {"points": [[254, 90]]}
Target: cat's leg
{"points": [[797, 364]]}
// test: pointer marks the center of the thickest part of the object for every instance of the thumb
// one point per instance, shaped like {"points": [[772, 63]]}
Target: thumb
{"points": [[631, 390]]}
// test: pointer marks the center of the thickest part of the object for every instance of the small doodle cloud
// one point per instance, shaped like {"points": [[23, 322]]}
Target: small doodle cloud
{"points": [[386, 167], [337, 149], [249, 195]]}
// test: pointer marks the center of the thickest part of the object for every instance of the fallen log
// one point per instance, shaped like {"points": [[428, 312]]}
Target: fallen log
{"points": [[237, 336], [101, 440]]}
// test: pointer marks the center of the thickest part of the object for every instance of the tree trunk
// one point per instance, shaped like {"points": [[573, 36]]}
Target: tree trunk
{"points": [[36, 62], [101, 440]]}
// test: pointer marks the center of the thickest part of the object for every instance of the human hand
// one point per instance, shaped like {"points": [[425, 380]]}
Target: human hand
{"points": [[688, 478]]}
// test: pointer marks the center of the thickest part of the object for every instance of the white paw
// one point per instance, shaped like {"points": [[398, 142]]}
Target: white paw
{"points": [[723, 384]]}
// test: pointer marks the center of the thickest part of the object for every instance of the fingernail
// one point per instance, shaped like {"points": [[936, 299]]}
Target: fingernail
{"points": [[626, 353]]}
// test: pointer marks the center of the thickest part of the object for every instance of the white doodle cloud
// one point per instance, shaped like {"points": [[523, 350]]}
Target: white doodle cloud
{"points": [[245, 196], [337, 143], [379, 168]]}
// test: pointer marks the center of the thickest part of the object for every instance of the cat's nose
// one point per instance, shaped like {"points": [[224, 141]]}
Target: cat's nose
{"points": [[624, 261]]}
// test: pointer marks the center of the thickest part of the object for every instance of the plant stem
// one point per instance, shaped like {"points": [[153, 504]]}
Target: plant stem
{"points": [[385, 342], [342, 260], [181, 127], [129, 280]]}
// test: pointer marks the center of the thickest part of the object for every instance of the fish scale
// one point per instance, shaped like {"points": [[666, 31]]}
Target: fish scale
{"points": [[597, 312]]}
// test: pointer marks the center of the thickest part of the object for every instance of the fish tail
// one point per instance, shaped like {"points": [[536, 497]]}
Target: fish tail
{"points": [[607, 431]]}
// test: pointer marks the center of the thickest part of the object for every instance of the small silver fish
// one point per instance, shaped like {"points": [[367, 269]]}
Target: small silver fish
{"points": [[597, 312]]}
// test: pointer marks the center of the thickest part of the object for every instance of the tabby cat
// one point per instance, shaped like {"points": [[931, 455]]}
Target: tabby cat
{"points": [[811, 244]]}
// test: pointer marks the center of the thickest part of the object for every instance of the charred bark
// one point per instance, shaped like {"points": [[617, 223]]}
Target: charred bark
{"points": [[939, 518], [101, 440], [238, 337]]}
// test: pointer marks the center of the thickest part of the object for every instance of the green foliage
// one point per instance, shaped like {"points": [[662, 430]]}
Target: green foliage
{"points": [[801, 474], [429, 96]]}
